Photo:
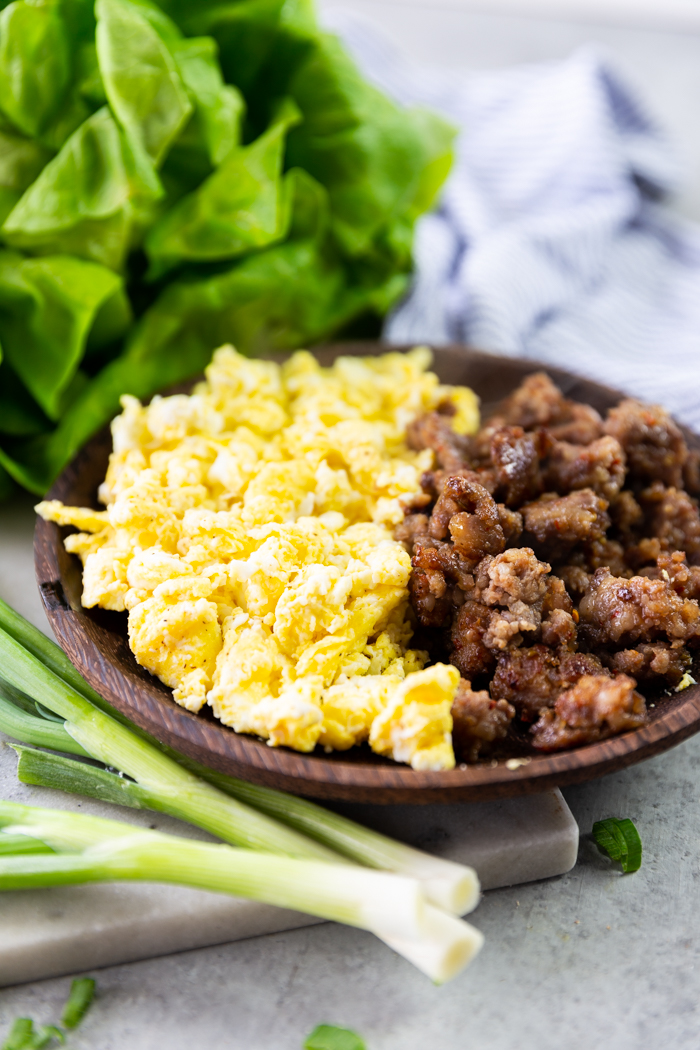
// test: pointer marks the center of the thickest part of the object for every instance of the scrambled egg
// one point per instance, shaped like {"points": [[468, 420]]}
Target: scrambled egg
{"points": [[248, 532]]}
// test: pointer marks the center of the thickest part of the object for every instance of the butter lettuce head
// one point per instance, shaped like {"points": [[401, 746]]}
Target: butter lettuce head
{"points": [[176, 175]]}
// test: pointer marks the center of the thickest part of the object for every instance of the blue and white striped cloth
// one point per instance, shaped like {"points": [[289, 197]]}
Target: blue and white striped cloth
{"points": [[550, 242]]}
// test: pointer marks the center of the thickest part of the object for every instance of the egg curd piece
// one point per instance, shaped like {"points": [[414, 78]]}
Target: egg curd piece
{"points": [[255, 691], [248, 535], [179, 642], [415, 726]]}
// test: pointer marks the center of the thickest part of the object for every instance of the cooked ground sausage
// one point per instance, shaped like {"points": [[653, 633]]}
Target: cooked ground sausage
{"points": [[594, 708], [599, 466], [556, 524], [556, 559], [654, 445], [650, 662], [478, 721], [619, 611]]}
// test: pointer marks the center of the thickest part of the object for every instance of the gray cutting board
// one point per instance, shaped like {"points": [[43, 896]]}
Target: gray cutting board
{"points": [[67, 929], [48, 933]]}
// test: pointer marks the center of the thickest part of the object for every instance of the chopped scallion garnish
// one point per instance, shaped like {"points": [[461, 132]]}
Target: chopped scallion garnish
{"points": [[24, 1036], [82, 992], [328, 1037], [619, 838]]}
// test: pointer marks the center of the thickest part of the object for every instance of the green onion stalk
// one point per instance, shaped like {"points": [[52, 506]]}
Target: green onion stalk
{"points": [[259, 819], [93, 849]]}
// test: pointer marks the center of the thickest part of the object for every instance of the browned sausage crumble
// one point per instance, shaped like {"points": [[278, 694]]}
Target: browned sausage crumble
{"points": [[556, 564]]}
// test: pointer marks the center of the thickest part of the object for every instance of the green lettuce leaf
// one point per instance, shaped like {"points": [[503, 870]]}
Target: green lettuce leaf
{"points": [[378, 161], [279, 298], [213, 130], [86, 200], [21, 160], [240, 207], [285, 296], [47, 308], [19, 413], [79, 18], [156, 17], [272, 300], [260, 43], [88, 77], [75, 109], [140, 77], [218, 107], [35, 64]]}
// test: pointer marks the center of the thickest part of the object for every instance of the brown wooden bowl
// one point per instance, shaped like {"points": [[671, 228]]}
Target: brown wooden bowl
{"points": [[96, 642]]}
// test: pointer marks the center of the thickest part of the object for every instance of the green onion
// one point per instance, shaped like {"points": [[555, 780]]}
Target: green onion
{"points": [[10, 844], [49, 716], [448, 885], [452, 886], [41, 647], [42, 769], [620, 839], [14, 696], [110, 849], [391, 906], [23, 1035], [328, 1037], [445, 947], [82, 992]]}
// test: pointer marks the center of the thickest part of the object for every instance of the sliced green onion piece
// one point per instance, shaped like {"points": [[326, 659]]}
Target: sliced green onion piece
{"points": [[22, 1030], [82, 992], [328, 1037], [619, 838], [45, 1033], [23, 1035]]}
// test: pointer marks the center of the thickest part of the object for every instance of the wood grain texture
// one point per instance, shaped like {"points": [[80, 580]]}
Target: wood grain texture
{"points": [[96, 642]]}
